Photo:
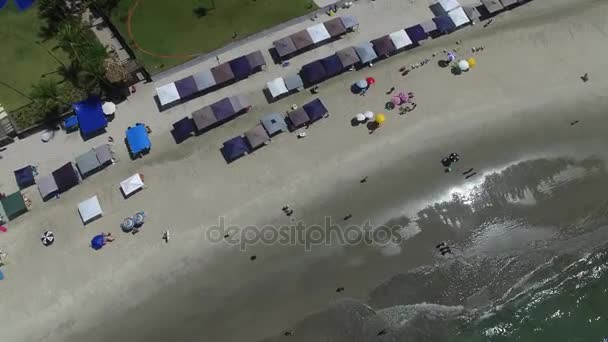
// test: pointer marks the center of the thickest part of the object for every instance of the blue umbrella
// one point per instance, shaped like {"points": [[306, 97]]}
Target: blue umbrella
{"points": [[127, 224], [97, 242], [451, 56], [362, 84], [139, 218]]}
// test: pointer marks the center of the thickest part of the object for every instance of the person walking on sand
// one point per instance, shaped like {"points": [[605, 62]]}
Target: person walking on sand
{"points": [[363, 180], [390, 91], [585, 77]]}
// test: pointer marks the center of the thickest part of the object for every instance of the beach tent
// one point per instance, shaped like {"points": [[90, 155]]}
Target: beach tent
{"points": [[400, 39], [348, 57], [104, 154], [256, 60], [318, 33], [204, 118], [186, 87], [298, 118], [222, 73], [137, 139], [493, 6], [444, 24], [302, 40], [240, 68], [204, 80], [315, 109], [429, 26], [240, 103], [416, 33], [167, 94], [89, 209], [294, 82], [472, 12], [335, 27], [47, 187], [332, 65], [131, 185], [90, 116], [87, 163], [459, 17], [508, 3], [313, 73], [383, 46], [448, 5], [257, 137], [284, 46], [277, 87], [25, 177], [235, 148], [350, 22], [366, 52], [223, 109], [66, 177], [14, 205], [274, 123], [183, 129]]}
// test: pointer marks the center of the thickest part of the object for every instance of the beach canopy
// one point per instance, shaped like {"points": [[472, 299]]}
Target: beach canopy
{"points": [[89, 209], [66, 177], [108, 108], [332, 65], [472, 12], [448, 5], [240, 67], [459, 17], [97, 242], [204, 118], [348, 57], [25, 177], [256, 60], [315, 109], [284, 46], [204, 80], [87, 163], [167, 94], [223, 109], [400, 39], [257, 136], [349, 22], [416, 33], [335, 27], [186, 87], [183, 129], [137, 139], [313, 73], [104, 154], [222, 73], [131, 184], [274, 123], [507, 3], [302, 39], [240, 103], [429, 26], [493, 6], [366, 52], [91, 118], [444, 24], [235, 148], [318, 33], [47, 187], [298, 118], [383, 46], [277, 87], [14, 205], [293, 82]]}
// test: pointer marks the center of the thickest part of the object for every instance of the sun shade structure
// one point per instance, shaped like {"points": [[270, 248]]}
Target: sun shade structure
{"points": [[284, 46], [429, 26], [493, 6], [257, 137], [87, 163], [459, 17], [104, 154], [348, 57], [183, 129], [366, 52], [240, 103], [204, 118], [186, 87], [204, 80], [293, 82], [383, 46], [137, 139], [25, 177], [332, 65], [315, 109], [335, 27], [222, 73], [472, 13], [350, 22], [416, 33], [223, 109], [240, 68], [313, 73], [448, 5], [508, 3], [274, 123], [235, 148], [400, 39], [302, 40], [47, 187], [277, 87], [256, 60], [14, 205], [131, 185], [444, 24], [66, 177], [90, 209], [318, 33], [298, 118], [90, 116], [167, 94]]}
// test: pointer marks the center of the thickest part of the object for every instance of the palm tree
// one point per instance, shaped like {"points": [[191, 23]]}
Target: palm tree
{"points": [[46, 96], [71, 72]]}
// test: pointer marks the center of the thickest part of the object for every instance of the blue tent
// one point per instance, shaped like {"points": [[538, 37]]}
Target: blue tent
{"points": [[3, 3], [240, 67], [137, 139], [235, 148], [186, 87], [70, 123], [183, 129], [24, 4], [444, 24], [90, 116], [315, 109], [332, 65], [223, 109], [313, 73], [416, 33], [25, 177]]}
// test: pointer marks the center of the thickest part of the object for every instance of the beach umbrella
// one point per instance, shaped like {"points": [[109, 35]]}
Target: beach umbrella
{"points": [[403, 96], [108, 108], [463, 65], [127, 224], [139, 218], [369, 115], [380, 118], [370, 80], [360, 117], [451, 56], [47, 238], [46, 136], [396, 100], [472, 62], [97, 242], [362, 84]]}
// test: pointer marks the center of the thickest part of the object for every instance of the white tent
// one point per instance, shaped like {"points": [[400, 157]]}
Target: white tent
{"points": [[449, 5], [400, 39], [277, 87], [318, 33], [459, 17], [89, 209], [167, 94], [131, 184]]}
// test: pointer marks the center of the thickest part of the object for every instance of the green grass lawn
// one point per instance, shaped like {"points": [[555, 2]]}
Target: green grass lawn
{"points": [[22, 62], [172, 28]]}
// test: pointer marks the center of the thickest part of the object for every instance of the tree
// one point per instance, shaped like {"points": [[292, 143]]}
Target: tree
{"points": [[200, 11], [55, 13], [46, 95]]}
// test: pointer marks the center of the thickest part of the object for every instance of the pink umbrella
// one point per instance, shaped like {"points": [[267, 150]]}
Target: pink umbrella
{"points": [[396, 100], [3, 229]]}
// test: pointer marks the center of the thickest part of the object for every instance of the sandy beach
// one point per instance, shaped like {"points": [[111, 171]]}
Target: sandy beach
{"points": [[516, 105]]}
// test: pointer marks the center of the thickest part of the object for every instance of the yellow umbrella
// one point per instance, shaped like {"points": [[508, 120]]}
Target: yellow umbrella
{"points": [[472, 62], [380, 118]]}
